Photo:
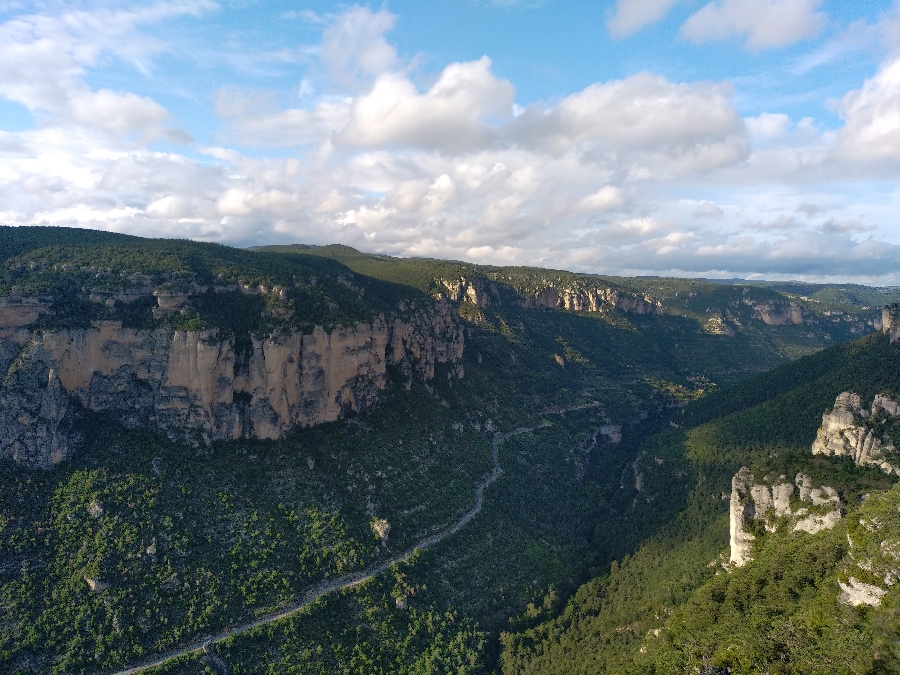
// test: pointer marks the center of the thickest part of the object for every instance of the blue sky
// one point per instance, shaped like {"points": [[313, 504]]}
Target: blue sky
{"points": [[749, 138]]}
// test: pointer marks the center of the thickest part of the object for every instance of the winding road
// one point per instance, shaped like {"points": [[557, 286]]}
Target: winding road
{"points": [[349, 581]]}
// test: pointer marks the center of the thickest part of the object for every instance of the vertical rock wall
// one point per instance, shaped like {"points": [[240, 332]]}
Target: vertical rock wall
{"points": [[194, 383]]}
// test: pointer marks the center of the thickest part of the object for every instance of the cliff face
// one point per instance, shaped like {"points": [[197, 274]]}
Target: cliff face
{"points": [[890, 322], [194, 383], [846, 433], [484, 294], [783, 313], [767, 501]]}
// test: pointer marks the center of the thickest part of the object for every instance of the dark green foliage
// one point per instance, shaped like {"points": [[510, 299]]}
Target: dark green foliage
{"points": [[242, 528], [362, 631], [779, 613], [85, 274]]}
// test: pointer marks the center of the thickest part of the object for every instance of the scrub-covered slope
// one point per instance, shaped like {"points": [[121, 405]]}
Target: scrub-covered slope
{"points": [[781, 560]]}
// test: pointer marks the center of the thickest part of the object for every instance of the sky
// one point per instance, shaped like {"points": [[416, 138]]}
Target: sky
{"points": [[722, 138]]}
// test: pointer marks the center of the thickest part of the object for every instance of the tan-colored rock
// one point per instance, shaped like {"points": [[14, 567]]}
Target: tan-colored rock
{"points": [[193, 381], [844, 432], [96, 585], [890, 322], [16, 312], [777, 313]]}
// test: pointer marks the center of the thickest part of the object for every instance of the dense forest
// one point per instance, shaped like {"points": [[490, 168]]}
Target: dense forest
{"points": [[593, 548]]}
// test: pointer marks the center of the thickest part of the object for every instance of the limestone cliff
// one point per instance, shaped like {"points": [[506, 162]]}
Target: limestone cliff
{"points": [[777, 313], [890, 322], [769, 500], [573, 298], [196, 384], [849, 430]]}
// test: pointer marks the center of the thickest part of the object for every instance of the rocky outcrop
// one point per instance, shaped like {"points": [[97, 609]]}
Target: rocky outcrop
{"points": [[582, 299], [195, 384], [850, 430], [856, 592], [741, 510], [477, 291], [715, 325], [873, 566], [483, 294], [890, 322], [777, 313], [769, 501]]}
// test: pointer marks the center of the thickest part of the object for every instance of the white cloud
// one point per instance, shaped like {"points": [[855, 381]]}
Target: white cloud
{"points": [[708, 209], [43, 62], [638, 175], [607, 198], [660, 125], [353, 46], [450, 115], [765, 24], [632, 15], [871, 115]]}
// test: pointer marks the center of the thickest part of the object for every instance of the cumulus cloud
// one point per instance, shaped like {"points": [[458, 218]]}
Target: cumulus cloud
{"points": [[607, 198], [871, 115], [675, 127], [253, 118], [765, 24], [632, 15], [44, 60], [354, 48], [450, 115], [707, 209], [636, 175]]}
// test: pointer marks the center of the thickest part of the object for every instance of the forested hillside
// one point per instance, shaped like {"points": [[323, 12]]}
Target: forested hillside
{"points": [[673, 606], [588, 427]]}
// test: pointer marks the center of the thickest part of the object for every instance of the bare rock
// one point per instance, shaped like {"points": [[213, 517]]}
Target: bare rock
{"points": [[190, 384], [95, 508], [768, 501], [742, 509], [844, 432], [96, 585], [890, 322], [856, 592], [381, 528], [816, 523]]}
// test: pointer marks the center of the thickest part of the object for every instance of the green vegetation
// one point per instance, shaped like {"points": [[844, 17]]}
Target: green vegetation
{"points": [[781, 614], [670, 608], [88, 276], [831, 314], [192, 540]]}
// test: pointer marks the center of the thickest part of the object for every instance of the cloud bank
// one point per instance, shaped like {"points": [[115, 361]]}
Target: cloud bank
{"points": [[634, 175]]}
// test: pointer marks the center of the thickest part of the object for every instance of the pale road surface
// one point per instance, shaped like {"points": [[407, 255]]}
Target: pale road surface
{"points": [[348, 581]]}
